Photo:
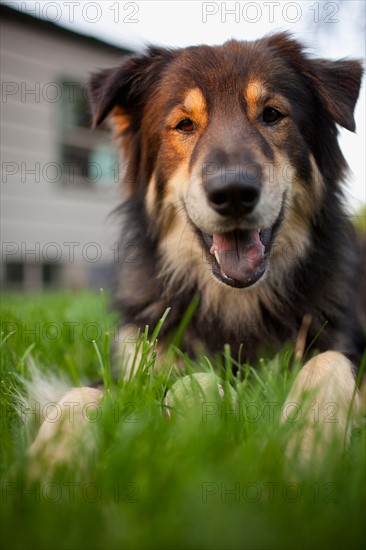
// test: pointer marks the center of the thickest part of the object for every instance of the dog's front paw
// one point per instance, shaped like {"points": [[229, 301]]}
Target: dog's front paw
{"points": [[322, 407], [66, 436]]}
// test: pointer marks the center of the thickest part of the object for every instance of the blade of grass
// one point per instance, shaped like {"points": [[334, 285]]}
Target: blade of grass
{"points": [[178, 336], [100, 360], [155, 334], [21, 362], [314, 339], [3, 340], [107, 361]]}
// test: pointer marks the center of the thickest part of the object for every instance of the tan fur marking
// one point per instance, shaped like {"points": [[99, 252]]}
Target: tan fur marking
{"points": [[196, 103], [179, 182], [253, 95], [119, 121], [150, 199], [194, 106], [178, 149], [294, 235], [254, 91]]}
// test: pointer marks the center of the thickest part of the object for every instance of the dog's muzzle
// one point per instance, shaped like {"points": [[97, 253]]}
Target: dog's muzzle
{"points": [[240, 254]]}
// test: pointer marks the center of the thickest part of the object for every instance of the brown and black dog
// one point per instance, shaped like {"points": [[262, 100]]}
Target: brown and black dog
{"points": [[233, 193]]}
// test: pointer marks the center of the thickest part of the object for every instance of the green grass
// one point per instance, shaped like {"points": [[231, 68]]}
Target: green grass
{"points": [[212, 480]]}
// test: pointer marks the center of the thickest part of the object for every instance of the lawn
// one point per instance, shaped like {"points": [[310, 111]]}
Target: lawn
{"points": [[207, 472]]}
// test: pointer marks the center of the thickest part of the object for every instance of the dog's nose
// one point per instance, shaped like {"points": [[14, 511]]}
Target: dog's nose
{"points": [[235, 197]]}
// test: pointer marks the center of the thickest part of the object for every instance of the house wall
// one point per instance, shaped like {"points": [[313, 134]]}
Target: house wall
{"points": [[39, 213]]}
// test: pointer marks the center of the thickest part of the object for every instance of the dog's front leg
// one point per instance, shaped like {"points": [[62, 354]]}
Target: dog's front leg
{"points": [[322, 404]]}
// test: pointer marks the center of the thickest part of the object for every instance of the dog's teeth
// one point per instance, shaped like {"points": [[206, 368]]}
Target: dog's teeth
{"points": [[215, 252]]}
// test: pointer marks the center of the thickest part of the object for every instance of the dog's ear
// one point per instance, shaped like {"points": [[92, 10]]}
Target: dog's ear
{"points": [[128, 85], [338, 86], [335, 83]]}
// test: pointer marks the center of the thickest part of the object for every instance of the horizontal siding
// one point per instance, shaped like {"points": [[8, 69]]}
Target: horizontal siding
{"points": [[26, 221], [18, 113], [43, 212], [18, 188], [11, 154], [30, 138]]}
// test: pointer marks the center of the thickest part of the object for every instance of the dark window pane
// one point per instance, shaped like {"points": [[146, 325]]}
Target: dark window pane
{"points": [[14, 273], [50, 275], [75, 161], [75, 106]]}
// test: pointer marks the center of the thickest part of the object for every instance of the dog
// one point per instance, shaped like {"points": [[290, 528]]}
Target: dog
{"points": [[233, 193]]}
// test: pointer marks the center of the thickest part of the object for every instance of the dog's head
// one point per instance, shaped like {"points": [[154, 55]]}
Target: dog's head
{"points": [[232, 147]]}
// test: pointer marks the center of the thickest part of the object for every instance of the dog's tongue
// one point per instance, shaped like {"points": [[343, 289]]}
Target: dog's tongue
{"points": [[239, 253]]}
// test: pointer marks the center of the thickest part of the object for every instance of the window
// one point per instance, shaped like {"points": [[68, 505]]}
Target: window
{"points": [[14, 275], [50, 275], [88, 158], [30, 276]]}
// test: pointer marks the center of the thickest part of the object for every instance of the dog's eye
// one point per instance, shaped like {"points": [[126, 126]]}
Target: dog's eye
{"points": [[185, 125], [270, 115]]}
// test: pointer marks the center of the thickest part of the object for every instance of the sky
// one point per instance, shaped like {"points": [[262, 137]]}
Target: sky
{"points": [[329, 29]]}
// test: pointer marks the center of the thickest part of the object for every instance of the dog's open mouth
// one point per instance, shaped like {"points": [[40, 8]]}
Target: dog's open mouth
{"points": [[240, 256]]}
